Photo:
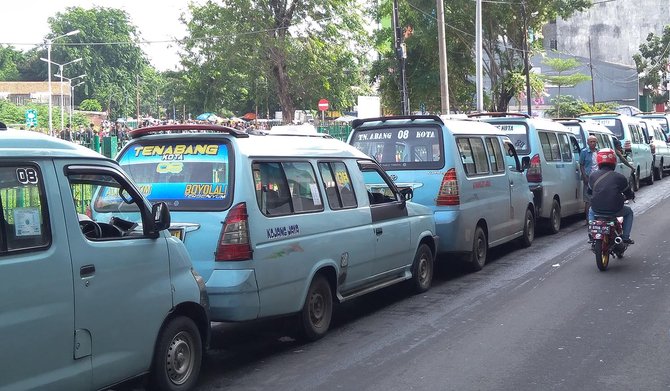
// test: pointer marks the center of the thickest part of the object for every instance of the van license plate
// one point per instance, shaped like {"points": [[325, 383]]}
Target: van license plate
{"points": [[177, 233]]}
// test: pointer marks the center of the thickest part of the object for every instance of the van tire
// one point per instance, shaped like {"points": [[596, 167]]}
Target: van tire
{"points": [[650, 178], [178, 356], [658, 172], [422, 269], [554, 221], [317, 312], [480, 247], [528, 229], [636, 181]]}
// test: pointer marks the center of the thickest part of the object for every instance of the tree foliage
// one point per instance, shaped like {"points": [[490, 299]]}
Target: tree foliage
{"points": [[569, 106], [652, 63], [248, 55], [561, 78], [9, 57]]}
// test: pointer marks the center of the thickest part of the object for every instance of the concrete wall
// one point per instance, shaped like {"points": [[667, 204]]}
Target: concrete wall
{"points": [[616, 29]]}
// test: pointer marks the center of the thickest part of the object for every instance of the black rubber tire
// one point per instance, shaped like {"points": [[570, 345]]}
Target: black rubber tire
{"points": [[636, 182], [317, 312], [422, 269], [177, 357], [650, 178], [602, 257], [480, 247], [554, 222], [658, 173], [528, 229]]}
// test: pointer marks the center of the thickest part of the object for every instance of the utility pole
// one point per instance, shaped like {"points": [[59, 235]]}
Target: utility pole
{"points": [[526, 64], [137, 98], [444, 73], [479, 77], [593, 89], [401, 54]]}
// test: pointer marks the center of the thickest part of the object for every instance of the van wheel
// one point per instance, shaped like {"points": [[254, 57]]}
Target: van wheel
{"points": [[178, 356], [528, 229], [554, 223], [651, 177], [317, 311], [422, 269], [480, 248], [636, 181], [658, 172]]}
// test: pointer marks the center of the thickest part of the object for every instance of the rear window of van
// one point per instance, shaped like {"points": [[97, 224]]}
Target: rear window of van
{"points": [[518, 133], [402, 147], [613, 124], [194, 175]]}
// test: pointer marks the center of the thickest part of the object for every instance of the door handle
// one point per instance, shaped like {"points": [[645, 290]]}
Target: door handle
{"points": [[86, 271], [378, 231]]}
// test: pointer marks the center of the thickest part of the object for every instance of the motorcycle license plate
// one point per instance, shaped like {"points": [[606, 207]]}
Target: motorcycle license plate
{"points": [[599, 227]]}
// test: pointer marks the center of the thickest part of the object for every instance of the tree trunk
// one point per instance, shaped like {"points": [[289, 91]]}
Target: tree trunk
{"points": [[283, 90]]}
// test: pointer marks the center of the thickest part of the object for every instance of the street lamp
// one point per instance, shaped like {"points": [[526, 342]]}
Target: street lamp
{"points": [[71, 90], [60, 73], [49, 41]]}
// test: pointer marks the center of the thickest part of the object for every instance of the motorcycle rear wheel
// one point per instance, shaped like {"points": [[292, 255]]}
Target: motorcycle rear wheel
{"points": [[601, 248]]}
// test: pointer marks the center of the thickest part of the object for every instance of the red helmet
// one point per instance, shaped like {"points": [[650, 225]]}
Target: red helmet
{"points": [[606, 156]]}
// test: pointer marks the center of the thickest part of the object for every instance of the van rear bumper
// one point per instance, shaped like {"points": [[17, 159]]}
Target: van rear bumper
{"points": [[451, 233], [233, 295]]}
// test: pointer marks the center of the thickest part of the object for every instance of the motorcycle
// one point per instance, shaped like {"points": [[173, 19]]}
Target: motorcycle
{"points": [[605, 236]]}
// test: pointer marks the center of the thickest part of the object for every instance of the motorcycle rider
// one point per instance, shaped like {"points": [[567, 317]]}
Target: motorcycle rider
{"points": [[608, 189]]}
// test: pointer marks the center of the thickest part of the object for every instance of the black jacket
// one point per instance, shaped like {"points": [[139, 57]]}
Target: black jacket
{"points": [[607, 197]]}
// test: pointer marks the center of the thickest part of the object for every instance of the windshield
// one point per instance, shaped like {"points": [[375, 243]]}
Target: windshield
{"points": [[402, 147], [518, 133], [577, 131], [613, 124], [187, 176]]}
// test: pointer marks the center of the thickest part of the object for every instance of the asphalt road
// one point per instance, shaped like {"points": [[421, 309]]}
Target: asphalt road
{"points": [[542, 318]]}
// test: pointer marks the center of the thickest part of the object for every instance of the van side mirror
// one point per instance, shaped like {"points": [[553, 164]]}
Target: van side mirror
{"points": [[161, 216], [407, 193], [525, 163]]}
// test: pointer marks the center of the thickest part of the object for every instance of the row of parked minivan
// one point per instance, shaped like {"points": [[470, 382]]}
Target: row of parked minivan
{"points": [[258, 226]]}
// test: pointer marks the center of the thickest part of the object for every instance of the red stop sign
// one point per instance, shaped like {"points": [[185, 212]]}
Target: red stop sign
{"points": [[323, 104]]}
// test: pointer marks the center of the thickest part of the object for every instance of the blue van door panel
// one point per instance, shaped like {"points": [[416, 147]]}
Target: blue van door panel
{"points": [[39, 316], [135, 285]]}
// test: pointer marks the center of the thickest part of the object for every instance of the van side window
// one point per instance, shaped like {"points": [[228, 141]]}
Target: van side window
{"points": [[339, 189], [473, 155], [566, 150], [495, 154], [550, 148], [286, 187], [24, 221], [634, 135], [379, 191]]}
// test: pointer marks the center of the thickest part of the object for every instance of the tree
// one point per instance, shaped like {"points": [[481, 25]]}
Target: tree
{"points": [[286, 53], [561, 79], [9, 57], [652, 63], [111, 57], [90, 105]]}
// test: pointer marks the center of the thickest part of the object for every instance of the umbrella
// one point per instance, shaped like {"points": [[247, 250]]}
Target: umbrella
{"points": [[204, 116]]}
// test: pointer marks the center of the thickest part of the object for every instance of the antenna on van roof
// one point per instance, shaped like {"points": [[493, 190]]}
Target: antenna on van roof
{"points": [[360, 121], [497, 114], [185, 128]]}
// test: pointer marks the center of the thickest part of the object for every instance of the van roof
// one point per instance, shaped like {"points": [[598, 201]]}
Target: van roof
{"points": [[26, 143], [269, 145], [456, 125], [538, 123]]}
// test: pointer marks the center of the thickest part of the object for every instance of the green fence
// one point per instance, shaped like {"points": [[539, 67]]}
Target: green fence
{"points": [[340, 132]]}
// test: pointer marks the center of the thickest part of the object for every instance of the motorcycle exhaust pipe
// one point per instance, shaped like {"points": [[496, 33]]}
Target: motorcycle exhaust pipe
{"points": [[618, 240]]}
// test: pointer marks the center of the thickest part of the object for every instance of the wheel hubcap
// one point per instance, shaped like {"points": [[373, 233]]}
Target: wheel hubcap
{"points": [[423, 270], [180, 358], [317, 306]]}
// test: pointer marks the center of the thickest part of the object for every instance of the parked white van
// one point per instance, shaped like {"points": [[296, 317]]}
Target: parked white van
{"points": [[466, 171], [93, 288], [282, 225], [635, 142], [553, 175]]}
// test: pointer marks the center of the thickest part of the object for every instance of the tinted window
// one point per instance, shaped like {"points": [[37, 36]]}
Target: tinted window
{"points": [[577, 132], [550, 148], [286, 187], [613, 124], [24, 222], [379, 191], [186, 175], [634, 134], [566, 151], [495, 154], [518, 133], [339, 189], [473, 155], [399, 148]]}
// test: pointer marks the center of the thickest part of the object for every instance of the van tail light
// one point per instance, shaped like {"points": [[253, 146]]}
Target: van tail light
{"points": [[534, 173], [626, 146], [448, 194], [234, 239]]}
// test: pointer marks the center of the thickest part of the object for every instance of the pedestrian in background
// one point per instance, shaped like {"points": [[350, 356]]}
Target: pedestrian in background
{"points": [[587, 165]]}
